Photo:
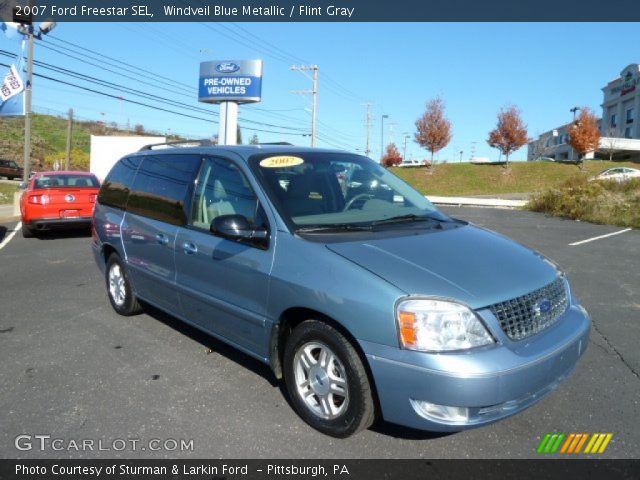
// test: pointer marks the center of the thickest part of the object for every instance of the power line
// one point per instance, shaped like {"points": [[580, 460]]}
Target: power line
{"points": [[142, 94], [120, 62], [46, 77]]}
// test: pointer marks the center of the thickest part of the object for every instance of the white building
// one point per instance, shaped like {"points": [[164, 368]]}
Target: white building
{"points": [[619, 125]]}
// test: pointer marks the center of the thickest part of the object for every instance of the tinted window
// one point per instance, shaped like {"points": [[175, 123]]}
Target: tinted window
{"points": [[162, 186], [115, 189], [66, 181], [222, 189]]}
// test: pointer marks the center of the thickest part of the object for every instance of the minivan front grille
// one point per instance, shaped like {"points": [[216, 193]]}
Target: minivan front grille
{"points": [[529, 314]]}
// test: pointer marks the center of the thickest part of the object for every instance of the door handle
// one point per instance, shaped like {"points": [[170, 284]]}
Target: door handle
{"points": [[162, 238], [189, 248]]}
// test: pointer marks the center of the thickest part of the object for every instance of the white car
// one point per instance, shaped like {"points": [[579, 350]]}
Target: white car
{"points": [[411, 163], [619, 174]]}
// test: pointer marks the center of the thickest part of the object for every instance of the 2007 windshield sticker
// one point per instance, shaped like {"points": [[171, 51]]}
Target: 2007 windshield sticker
{"points": [[281, 161]]}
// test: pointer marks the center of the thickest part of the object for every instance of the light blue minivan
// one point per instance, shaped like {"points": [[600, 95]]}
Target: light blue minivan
{"points": [[366, 299]]}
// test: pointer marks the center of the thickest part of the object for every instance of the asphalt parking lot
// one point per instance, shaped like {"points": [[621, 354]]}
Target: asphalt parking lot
{"points": [[73, 369]]}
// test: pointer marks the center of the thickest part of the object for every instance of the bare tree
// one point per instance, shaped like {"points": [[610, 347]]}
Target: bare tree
{"points": [[611, 141], [433, 128], [540, 148], [510, 133], [584, 134], [254, 140], [138, 129]]}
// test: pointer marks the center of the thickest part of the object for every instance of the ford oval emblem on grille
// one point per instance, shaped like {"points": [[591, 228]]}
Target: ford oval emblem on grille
{"points": [[70, 198], [542, 306], [227, 67]]}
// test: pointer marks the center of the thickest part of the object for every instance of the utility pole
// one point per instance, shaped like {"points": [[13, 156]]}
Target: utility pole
{"points": [[26, 159], [404, 155], [392, 134], [367, 150], [382, 135], [67, 160], [314, 94], [28, 30]]}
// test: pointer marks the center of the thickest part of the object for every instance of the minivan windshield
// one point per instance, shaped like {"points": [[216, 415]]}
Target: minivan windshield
{"points": [[332, 190]]}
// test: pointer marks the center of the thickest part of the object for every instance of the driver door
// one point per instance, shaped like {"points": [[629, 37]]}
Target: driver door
{"points": [[223, 284]]}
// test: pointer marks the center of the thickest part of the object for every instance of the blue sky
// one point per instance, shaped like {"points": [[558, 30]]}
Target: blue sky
{"points": [[545, 69]]}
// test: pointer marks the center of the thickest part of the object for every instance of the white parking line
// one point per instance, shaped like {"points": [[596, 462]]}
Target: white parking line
{"points": [[599, 237], [10, 236]]}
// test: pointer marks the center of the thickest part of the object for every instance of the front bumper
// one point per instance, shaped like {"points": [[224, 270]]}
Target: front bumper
{"points": [[491, 382], [55, 223]]}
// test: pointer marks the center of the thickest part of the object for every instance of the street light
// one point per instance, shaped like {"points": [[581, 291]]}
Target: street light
{"points": [[574, 110], [404, 155], [382, 135], [28, 30]]}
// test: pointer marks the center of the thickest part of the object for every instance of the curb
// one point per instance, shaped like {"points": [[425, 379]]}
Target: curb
{"points": [[477, 202], [14, 218]]}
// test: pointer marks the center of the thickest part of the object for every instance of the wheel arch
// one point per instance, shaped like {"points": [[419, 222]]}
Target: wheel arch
{"points": [[294, 316]]}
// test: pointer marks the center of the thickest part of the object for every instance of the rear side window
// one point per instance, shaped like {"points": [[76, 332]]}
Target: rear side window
{"points": [[162, 186], [115, 189]]}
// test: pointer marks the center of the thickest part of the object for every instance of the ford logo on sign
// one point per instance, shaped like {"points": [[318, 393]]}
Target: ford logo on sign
{"points": [[227, 67], [542, 306]]}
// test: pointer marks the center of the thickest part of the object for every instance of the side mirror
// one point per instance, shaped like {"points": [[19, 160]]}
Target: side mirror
{"points": [[237, 227], [22, 186]]}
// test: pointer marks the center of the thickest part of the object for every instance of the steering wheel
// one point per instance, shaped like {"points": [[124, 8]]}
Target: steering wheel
{"points": [[360, 196]]}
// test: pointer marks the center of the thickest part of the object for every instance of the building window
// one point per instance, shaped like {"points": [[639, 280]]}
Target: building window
{"points": [[627, 132], [630, 115], [614, 121]]}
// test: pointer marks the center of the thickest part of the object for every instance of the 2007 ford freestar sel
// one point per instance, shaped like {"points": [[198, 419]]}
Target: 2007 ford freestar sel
{"points": [[366, 299]]}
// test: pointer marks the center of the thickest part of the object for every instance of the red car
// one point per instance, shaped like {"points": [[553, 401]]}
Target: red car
{"points": [[58, 200]]}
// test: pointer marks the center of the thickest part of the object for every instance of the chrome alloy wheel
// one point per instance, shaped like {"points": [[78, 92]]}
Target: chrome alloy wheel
{"points": [[321, 380], [116, 285]]}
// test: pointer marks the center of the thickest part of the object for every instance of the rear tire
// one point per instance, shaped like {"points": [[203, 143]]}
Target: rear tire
{"points": [[27, 231], [326, 380], [119, 289]]}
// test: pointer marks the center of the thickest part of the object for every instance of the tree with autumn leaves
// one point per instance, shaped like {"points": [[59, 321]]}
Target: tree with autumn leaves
{"points": [[584, 134], [392, 156], [433, 129], [510, 133]]}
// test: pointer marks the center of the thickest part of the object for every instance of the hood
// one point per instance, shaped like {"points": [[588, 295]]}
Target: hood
{"points": [[472, 265]]}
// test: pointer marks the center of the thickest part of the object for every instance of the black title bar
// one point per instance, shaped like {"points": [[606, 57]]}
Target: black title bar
{"points": [[310, 469], [322, 11]]}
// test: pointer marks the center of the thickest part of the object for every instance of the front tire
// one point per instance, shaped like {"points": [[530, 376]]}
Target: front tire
{"points": [[326, 380], [119, 290]]}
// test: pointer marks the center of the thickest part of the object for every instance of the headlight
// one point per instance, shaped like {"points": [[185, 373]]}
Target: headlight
{"points": [[439, 326]]}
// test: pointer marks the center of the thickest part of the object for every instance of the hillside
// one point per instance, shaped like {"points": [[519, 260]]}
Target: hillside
{"points": [[49, 139], [521, 177]]}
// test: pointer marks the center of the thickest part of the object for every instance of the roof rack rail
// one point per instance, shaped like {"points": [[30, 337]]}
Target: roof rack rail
{"points": [[276, 143], [200, 143]]}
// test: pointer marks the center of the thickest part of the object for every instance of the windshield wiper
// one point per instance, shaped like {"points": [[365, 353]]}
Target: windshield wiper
{"points": [[407, 219], [334, 227]]}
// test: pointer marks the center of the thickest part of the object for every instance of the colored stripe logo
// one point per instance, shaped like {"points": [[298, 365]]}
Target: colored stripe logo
{"points": [[574, 443]]}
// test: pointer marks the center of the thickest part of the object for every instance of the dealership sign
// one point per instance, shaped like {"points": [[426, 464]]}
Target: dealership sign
{"points": [[230, 81]]}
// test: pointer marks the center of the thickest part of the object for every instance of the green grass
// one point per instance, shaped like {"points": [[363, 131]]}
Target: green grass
{"points": [[49, 140], [6, 193], [458, 179], [604, 202], [49, 137]]}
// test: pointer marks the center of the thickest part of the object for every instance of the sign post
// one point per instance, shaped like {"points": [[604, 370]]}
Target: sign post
{"points": [[230, 83]]}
